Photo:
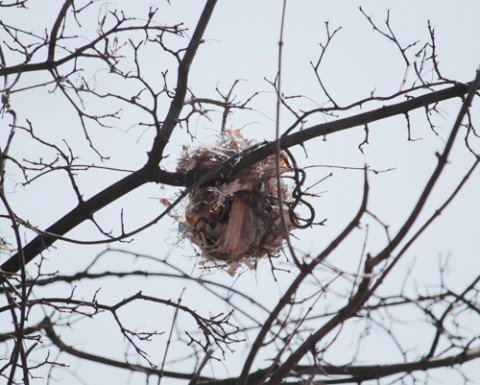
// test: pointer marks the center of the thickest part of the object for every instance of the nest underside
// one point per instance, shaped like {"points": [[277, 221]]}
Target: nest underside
{"points": [[245, 225]]}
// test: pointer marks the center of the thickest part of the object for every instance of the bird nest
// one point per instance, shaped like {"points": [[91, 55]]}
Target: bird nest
{"points": [[239, 220]]}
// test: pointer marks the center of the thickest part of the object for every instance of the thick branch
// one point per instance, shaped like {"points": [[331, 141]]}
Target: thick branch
{"points": [[357, 373], [50, 64], [154, 174], [47, 326], [349, 310], [257, 153], [79, 214], [304, 273], [56, 27], [324, 129], [442, 161], [363, 292], [365, 372], [171, 121]]}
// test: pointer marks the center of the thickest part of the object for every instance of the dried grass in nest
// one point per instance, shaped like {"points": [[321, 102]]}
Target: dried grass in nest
{"points": [[237, 221]]}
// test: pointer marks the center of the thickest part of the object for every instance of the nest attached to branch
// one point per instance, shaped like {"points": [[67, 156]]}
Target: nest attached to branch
{"points": [[238, 221]]}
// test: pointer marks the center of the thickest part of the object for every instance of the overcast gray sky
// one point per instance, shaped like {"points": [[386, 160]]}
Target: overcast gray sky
{"points": [[241, 42]]}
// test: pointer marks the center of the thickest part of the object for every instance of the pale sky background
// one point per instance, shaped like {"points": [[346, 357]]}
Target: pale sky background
{"points": [[241, 42]]}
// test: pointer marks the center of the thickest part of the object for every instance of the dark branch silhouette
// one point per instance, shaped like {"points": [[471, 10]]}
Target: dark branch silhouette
{"points": [[100, 68]]}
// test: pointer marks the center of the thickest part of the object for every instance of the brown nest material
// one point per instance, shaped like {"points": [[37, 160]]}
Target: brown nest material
{"points": [[238, 221]]}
